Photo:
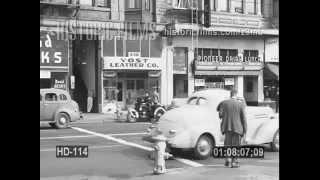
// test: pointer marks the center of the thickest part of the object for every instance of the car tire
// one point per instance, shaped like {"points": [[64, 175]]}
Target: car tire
{"points": [[130, 118], [62, 121], [204, 147], [275, 141]]}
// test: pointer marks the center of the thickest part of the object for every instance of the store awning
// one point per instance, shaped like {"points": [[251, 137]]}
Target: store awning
{"points": [[227, 73], [271, 71]]}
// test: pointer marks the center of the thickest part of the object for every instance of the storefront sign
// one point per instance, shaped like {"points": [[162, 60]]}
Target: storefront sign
{"points": [[132, 63], [45, 74], [199, 82], [228, 63], [53, 52], [229, 81], [72, 82], [60, 84]]}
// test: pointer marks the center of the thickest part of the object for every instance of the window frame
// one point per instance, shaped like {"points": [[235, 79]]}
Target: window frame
{"points": [[45, 97], [66, 98]]}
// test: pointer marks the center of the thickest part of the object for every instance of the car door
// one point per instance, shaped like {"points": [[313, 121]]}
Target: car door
{"points": [[41, 107], [51, 104], [255, 121]]}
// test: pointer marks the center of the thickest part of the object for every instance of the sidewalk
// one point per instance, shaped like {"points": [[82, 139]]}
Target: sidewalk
{"points": [[100, 117]]}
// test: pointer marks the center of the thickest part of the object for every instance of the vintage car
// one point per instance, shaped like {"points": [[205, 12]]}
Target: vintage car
{"points": [[196, 124], [57, 108]]}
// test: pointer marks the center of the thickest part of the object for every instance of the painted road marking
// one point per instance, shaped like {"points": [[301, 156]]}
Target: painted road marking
{"points": [[185, 161], [90, 147], [87, 136]]}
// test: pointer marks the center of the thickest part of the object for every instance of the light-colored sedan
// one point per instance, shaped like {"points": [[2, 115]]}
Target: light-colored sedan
{"points": [[57, 108], [196, 124]]}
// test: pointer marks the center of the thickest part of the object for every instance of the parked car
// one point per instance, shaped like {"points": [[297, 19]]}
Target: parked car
{"points": [[57, 108], [196, 124]]}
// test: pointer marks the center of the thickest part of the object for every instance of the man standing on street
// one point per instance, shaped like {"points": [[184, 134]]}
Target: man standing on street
{"points": [[233, 125]]}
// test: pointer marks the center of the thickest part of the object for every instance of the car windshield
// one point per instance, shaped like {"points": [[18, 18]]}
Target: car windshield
{"points": [[202, 101], [192, 100]]}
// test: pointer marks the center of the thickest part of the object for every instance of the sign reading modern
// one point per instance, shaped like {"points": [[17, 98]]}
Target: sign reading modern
{"points": [[53, 52], [134, 63]]}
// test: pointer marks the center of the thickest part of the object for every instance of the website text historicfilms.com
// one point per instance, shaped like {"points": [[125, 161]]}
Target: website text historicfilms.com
{"points": [[139, 31]]}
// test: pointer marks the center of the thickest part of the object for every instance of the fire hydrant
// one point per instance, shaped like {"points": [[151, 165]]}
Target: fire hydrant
{"points": [[160, 154]]}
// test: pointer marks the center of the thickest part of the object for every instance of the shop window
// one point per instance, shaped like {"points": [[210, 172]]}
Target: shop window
{"points": [[51, 97], [233, 52], [251, 55], [223, 54], [140, 85], [63, 97], [130, 84], [251, 6]]}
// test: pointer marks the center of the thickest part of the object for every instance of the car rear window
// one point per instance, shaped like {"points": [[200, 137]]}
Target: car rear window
{"points": [[51, 97], [63, 97]]}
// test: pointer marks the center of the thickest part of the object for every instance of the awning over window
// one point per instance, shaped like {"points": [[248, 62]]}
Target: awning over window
{"points": [[271, 71]]}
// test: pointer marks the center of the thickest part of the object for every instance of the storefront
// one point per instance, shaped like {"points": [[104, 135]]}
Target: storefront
{"points": [[126, 78], [54, 61], [131, 67], [223, 62]]}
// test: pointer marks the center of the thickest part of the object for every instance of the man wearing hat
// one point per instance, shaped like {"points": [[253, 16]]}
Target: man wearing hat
{"points": [[233, 125]]}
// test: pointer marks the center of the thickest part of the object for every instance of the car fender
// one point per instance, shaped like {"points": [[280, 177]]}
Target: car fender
{"points": [[196, 133], [265, 132], [63, 110]]}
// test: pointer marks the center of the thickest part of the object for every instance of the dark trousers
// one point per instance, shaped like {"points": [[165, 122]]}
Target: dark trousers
{"points": [[232, 139]]}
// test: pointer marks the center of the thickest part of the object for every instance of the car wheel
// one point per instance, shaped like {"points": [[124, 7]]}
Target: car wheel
{"points": [[130, 118], [158, 113], [275, 142], [62, 121], [203, 147]]}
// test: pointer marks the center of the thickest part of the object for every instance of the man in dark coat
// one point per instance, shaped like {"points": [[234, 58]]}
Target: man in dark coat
{"points": [[233, 125]]}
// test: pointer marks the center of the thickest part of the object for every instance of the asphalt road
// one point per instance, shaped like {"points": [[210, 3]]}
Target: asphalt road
{"points": [[126, 157]]}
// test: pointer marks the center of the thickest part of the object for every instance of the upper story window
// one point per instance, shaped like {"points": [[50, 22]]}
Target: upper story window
{"points": [[133, 4], [223, 5], [182, 4], [86, 2], [98, 3], [251, 6], [237, 6]]}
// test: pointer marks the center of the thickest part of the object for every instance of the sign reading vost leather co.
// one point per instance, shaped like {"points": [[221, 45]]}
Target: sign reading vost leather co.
{"points": [[132, 63], [53, 51]]}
